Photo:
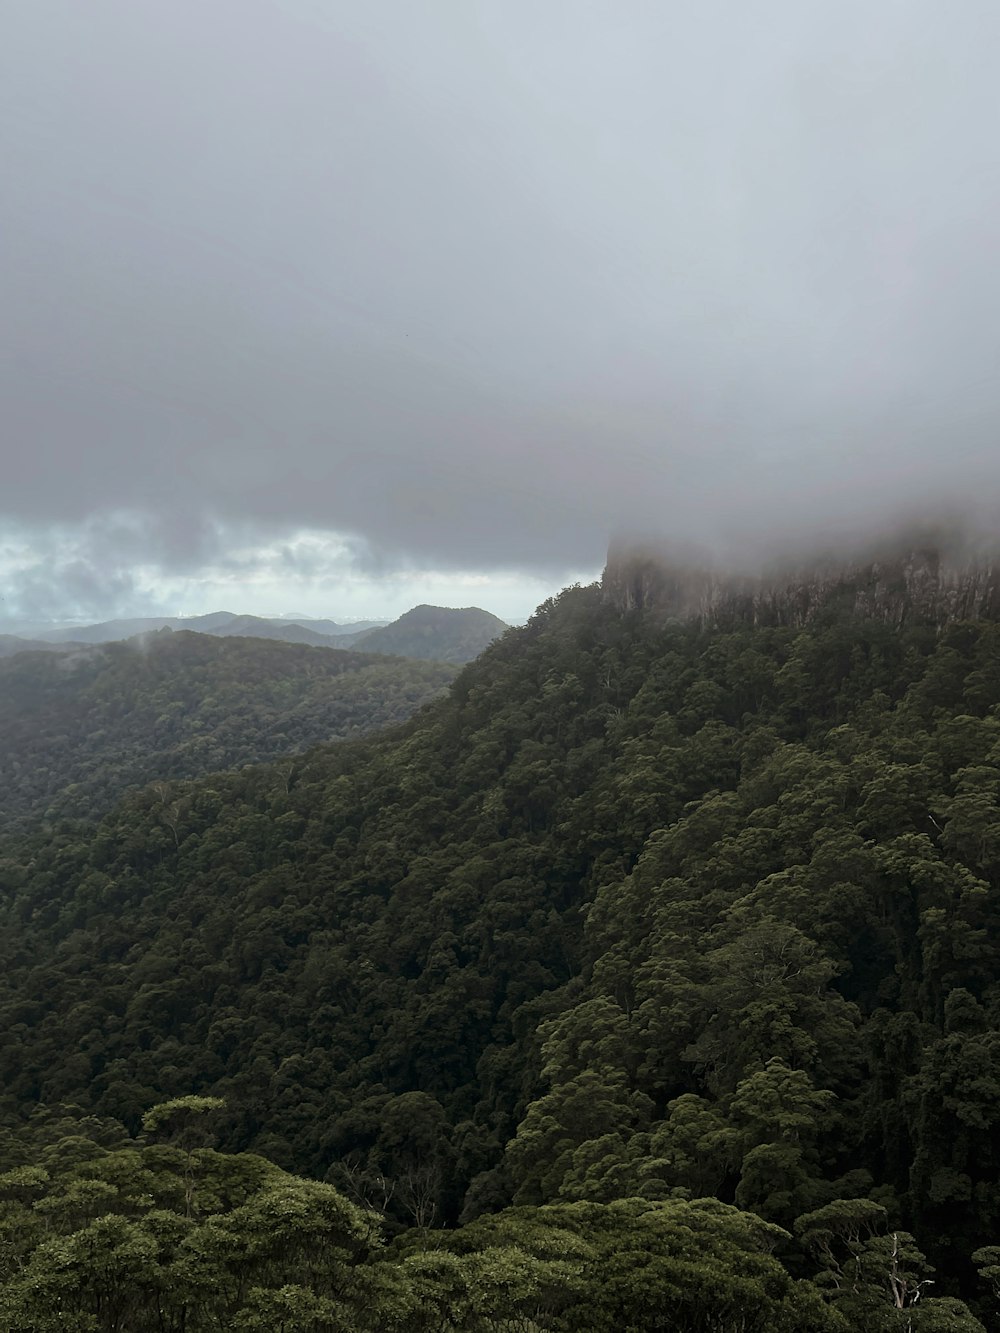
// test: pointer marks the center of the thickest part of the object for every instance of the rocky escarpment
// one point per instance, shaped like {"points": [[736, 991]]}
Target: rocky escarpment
{"points": [[912, 584]]}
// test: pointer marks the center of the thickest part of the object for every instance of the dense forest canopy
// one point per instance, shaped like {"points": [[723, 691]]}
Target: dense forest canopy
{"points": [[649, 979], [78, 729]]}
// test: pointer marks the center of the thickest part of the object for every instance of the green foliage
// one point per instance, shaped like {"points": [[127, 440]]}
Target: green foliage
{"points": [[636, 1265], [638, 914], [180, 1108], [260, 1249], [76, 731]]}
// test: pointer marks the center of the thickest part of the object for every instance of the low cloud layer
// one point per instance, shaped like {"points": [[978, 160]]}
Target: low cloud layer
{"points": [[475, 286]]}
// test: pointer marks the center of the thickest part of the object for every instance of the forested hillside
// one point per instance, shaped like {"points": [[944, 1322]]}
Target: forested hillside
{"points": [[77, 729], [440, 633], [640, 914], [11, 644]]}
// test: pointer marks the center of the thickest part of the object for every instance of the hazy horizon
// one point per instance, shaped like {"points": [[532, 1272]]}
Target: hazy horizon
{"points": [[519, 598]]}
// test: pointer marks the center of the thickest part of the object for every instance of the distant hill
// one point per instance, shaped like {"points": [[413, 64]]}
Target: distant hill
{"points": [[258, 628], [437, 633], [432, 633], [297, 630], [330, 626], [11, 644], [114, 631], [80, 727]]}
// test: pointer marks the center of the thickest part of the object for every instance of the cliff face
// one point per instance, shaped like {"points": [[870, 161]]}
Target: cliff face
{"points": [[912, 585]]}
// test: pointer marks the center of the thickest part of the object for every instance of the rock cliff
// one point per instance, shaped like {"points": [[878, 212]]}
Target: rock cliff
{"points": [[911, 583]]}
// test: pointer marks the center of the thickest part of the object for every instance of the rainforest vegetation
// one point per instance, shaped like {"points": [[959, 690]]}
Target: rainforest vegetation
{"points": [[78, 729], [650, 979]]}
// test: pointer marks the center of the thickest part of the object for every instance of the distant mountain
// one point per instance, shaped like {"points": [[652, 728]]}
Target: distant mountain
{"points": [[350, 628], [348, 640], [436, 633], [78, 728], [258, 628], [11, 644], [431, 633], [296, 630], [114, 631]]}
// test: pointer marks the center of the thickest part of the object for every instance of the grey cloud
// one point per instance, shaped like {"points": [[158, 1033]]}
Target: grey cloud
{"points": [[479, 284], [74, 590], [78, 582]]}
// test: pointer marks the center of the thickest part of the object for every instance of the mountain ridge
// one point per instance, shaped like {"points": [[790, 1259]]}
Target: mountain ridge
{"points": [[431, 633], [212, 622]]}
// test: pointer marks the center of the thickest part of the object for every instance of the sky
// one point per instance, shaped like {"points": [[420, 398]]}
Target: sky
{"points": [[335, 308]]}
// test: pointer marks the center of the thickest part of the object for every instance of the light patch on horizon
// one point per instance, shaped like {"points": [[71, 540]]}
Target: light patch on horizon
{"points": [[321, 575], [312, 574]]}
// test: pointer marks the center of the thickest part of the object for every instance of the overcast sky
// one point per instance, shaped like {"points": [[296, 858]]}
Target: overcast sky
{"points": [[336, 307]]}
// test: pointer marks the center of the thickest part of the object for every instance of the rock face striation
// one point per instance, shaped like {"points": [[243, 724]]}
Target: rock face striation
{"points": [[907, 585]]}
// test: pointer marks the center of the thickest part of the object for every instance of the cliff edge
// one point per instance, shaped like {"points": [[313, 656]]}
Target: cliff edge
{"points": [[902, 585]]}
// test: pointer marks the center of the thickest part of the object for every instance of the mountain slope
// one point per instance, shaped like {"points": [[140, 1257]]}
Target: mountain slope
{"points": [[640, 909], [12, 643], [258, 628], [78, 728], [330, 627], [116, 631], [437, 633]]}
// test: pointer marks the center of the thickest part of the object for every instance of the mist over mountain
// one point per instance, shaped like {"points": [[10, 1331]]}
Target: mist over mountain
{"points": [[940, 575]]}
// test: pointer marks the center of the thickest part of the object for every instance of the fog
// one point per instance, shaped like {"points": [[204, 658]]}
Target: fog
{"points": [[466, 289]]}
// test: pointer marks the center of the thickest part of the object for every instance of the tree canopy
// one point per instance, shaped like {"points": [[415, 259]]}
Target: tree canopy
{"points": [[77, 730], [646, 949]]}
